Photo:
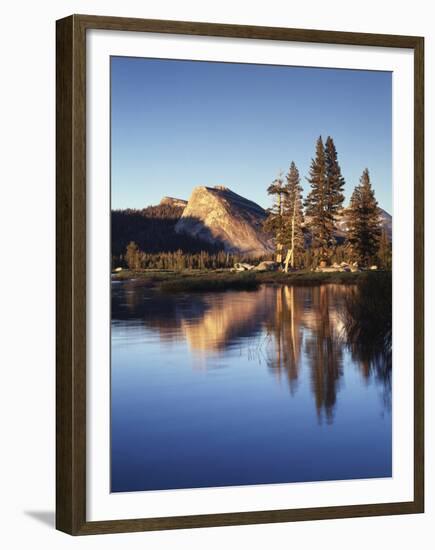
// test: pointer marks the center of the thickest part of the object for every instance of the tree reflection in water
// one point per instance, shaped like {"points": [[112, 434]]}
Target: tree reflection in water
{"points": [[367, 317], [307, 319], [325, 322], [324, 349], [290, 327], [284, 327]]}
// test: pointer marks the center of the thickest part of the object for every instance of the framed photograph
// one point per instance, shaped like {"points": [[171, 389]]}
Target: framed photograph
{"points": [[239, 275]]}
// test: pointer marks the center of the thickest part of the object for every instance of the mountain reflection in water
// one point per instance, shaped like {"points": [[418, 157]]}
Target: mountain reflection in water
{"points": [[274, 325], [299, 335]]}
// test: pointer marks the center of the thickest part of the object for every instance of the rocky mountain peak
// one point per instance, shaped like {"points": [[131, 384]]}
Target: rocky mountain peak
{"points": [[172, 201], [218, 215]]}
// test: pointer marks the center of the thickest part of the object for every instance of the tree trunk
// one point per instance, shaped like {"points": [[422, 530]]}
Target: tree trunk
{"points": [[278, 245], [287, 259], [279, 253], [293, 232]]}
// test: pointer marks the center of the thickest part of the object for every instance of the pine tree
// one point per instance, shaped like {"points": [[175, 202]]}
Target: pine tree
{"points": [[326, 197], [364, 222], [334, 185], [316, 201], [293, 217], [385, 251], [132, 256], [274, 221]]}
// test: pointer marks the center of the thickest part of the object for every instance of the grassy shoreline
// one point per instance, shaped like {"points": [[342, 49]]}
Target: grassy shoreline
{"points": [[221, 280]]}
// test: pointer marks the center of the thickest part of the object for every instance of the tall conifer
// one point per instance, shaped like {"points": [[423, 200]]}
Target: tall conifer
{"points": [[274, 222], [334, 184], [316, 201], [385, 251], [326, 197], [293, 217], [364, 222]]}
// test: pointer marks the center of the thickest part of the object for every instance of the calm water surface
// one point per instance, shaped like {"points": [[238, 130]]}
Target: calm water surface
{"points": [[235, 388]]}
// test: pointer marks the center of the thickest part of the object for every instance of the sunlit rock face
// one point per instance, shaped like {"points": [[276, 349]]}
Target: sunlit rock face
{"points": [[220, 216], [172, 201]]}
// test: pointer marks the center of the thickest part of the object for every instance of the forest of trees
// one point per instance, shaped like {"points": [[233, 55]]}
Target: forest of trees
{"points": [[152, 229], [305, 231], [134, 258]]}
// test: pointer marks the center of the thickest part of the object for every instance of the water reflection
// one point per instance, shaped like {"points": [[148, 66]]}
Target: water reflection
{"points": [[324, 348], [285, 327], [367, 315], [285, 384]]}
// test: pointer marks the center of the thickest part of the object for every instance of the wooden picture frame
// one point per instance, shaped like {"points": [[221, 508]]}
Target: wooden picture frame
{"points": [[71, 273]]}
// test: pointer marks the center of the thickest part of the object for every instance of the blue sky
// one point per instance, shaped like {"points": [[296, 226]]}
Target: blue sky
{"points": [[179, 124]]}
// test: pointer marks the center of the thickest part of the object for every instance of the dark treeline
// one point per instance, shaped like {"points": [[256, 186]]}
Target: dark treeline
{"points": [[146, 239], [135, 258], [153, 230]]}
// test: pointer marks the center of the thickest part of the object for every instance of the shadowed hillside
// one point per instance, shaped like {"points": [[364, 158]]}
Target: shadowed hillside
{"points": [[152, 228]]}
